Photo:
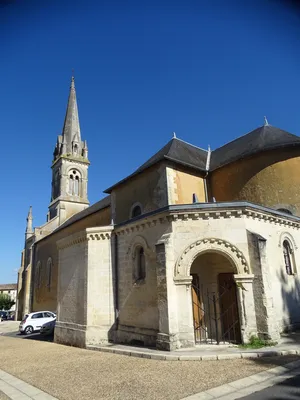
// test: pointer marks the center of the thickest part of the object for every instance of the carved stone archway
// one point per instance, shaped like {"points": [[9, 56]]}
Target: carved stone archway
{"points": [[191, 252], [243, 277]]}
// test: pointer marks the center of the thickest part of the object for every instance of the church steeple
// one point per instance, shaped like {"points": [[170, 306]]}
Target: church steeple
{"points": [[69, 143], [29, 228], [71, 129], [70, 164]]}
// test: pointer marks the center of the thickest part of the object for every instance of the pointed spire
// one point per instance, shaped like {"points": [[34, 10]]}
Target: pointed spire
{"points": [[266, 123], [29, 229], [71, 129]]}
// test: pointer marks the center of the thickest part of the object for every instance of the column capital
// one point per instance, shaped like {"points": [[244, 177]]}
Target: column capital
{"points": [[183, 280], [243, 278]]}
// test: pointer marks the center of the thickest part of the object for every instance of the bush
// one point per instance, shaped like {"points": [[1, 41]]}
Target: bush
{"points": [[6, 302]]}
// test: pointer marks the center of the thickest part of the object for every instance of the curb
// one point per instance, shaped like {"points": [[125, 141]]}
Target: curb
{"points": [[251, 384], [208, 357]]}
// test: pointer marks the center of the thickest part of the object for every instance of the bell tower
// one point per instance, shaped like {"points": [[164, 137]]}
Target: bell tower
{"points": [[70, 166]]}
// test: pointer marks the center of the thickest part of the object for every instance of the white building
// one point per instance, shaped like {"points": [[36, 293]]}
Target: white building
{"points": [[11, 290]]}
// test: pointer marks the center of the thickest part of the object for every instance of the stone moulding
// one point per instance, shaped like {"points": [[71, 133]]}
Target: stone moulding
{"points": [[192, 251], [97, 233], [168, 216], [289, 237]]}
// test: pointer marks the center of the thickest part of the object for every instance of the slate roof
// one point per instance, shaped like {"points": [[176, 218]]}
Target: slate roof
{"points": [[8, 286], [264, 138], [175, 150], [86, 212]]}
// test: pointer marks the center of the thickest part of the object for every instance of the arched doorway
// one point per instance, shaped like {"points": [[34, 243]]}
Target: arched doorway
{"points": [[214, 299]]}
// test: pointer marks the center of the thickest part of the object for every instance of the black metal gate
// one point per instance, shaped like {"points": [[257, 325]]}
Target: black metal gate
{"points": [[215, 312]]}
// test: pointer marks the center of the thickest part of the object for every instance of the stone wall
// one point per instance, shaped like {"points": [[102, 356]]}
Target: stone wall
{"points": [[138, 309], [182, 184], [276, 293], [85, 288], [149, 189], [270, 179], [43, 298]]}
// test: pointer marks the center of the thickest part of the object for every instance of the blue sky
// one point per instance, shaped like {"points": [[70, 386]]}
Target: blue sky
{"points": [[208, 70]]}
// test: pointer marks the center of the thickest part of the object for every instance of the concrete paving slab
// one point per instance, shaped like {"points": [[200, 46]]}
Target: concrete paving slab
{"points": [[16, 389], [201, 396], [220, 390], [242, 383], [244, 387]]}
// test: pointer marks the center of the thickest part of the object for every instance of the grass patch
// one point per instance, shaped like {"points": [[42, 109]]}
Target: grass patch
{"points": [[257, 343]]}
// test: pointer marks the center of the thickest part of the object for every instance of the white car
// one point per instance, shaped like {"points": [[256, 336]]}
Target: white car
{"points": [[34, 321]]}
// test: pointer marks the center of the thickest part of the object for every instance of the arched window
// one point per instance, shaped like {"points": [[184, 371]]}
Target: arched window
{"points": [[140, 265], [38, 274], [49, 273], [288, 257], [136, 210], [71, 184], [76, 186], [74, 179]]}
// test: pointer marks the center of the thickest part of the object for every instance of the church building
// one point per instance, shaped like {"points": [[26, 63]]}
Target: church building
{"points": [[195, 246]]}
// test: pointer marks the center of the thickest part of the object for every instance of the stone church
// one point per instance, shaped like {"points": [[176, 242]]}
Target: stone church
{"points": [[195, 246]]}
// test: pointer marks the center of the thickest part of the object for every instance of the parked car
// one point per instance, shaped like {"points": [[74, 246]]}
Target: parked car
{"points": [[48, 328], [3, 315], [34, 321]]}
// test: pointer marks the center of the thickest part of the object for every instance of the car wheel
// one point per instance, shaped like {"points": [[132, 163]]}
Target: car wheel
{"points": [[28, 330]]}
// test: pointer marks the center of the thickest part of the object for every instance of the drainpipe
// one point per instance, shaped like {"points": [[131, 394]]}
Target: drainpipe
{"points": [[206, 175]]}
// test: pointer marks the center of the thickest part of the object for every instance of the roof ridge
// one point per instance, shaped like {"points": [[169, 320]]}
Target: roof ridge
{"points": [[239, 137], [197, 147]]}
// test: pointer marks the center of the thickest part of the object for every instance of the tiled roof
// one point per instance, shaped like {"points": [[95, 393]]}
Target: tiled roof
{"points": [[8, 286]]}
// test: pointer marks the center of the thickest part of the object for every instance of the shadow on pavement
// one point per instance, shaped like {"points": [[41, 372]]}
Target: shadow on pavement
{"points": [[34, 336]]}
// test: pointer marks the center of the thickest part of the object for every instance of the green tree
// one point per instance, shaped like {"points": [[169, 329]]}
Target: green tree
{"points": [[6, 302]]}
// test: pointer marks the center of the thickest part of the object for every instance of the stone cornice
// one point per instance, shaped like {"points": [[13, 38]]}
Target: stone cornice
{"points": [[97, 233], [73, 159], [206, 211]]}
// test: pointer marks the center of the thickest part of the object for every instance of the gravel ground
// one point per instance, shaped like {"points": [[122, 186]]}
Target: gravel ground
{"points": [[70, 373]]}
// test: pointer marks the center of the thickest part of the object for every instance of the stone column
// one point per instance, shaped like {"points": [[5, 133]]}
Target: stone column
{"points": [[167, 337], [247, 314], [267, 295], [100, 291], [186, 332]]}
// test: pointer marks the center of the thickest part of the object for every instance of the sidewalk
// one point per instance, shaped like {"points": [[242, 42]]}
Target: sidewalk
{"points": [[14, 388], [288, 345]]}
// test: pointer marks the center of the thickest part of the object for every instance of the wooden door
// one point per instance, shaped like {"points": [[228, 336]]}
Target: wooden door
{"points": [[229, 313], [198, 312]]}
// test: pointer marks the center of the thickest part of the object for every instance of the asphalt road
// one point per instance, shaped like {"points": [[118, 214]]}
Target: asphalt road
{"points": [[287, 390]]}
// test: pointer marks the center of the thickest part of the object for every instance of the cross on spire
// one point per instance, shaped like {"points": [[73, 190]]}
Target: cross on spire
{"points": [[266, 123]]}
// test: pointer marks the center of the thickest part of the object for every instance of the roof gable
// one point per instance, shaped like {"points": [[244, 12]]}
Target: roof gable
{"points": [[175, 150]]}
